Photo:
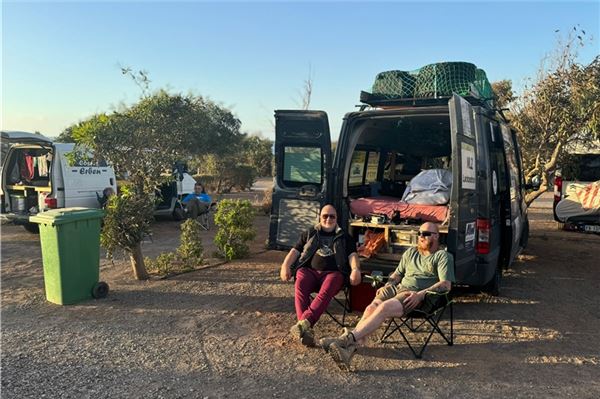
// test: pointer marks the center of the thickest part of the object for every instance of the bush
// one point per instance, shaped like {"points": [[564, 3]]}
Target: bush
{"points": [[234, 219], [190, 250], [187, 257], [267, 201]]}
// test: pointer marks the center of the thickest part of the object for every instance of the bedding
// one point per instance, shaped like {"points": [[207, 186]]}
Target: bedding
{"points": [[387, 205]]}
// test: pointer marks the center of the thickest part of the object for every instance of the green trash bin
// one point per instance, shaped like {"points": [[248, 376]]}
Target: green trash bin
{"points": [[70, 239]]}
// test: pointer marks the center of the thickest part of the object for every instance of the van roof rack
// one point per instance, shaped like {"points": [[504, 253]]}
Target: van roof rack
{"points": [[375, 100]]}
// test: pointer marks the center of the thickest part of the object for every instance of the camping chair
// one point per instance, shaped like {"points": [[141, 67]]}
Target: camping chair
{"points": [[425, 319], [343, 302], [203, 218]]}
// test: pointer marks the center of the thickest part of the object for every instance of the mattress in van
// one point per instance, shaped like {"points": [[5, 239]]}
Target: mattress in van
{"points": [[387, 205]]}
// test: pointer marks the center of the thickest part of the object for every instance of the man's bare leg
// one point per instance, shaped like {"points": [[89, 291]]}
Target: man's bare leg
{"points": [[369, 324]]}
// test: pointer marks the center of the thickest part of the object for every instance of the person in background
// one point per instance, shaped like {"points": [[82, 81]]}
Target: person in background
{"points": [[197, 202], [323, 260]]}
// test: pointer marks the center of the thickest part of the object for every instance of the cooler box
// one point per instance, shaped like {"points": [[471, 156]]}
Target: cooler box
{"points": [[361, 296]]}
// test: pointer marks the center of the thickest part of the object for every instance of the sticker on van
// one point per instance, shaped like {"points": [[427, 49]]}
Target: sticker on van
{"points": [[468, 166]]}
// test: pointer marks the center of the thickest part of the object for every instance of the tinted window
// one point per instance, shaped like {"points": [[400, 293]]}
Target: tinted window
{"points": [[302, 165]]}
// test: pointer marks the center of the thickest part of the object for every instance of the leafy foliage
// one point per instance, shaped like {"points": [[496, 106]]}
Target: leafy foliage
{"points": [[144, 140], [188, 255], [234, 219], [127, 220], [190, 250], [559, 111]]}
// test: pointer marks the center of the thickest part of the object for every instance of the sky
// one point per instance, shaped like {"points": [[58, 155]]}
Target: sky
{"points": [[61, 60]]}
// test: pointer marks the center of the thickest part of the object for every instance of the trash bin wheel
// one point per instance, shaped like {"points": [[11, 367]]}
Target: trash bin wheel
{"points": [[100, 290]]}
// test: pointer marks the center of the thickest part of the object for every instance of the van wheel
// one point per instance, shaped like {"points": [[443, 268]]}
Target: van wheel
{"points": [[100, 290], [178, 213], [493, 287], [33, 228]]}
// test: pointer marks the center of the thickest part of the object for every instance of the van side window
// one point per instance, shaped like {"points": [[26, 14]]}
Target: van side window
{"points": [[302, 165], [357, 168]]}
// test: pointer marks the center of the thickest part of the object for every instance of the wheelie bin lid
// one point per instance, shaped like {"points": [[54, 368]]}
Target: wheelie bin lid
{"points": [[66, 215]]}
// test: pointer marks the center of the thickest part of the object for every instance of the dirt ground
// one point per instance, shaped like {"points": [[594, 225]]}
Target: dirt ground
{"points": [[223, 331]]}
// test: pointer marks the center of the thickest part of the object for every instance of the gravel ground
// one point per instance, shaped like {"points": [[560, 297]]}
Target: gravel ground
{"points": [[222, 332]]}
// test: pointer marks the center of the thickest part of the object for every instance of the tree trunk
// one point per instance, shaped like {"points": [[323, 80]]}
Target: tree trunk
{"points": [[137, 263]]}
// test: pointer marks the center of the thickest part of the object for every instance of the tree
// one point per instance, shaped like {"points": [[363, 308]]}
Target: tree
{"points": [[504, 93], [145, 140], [560, 109], [258, 153]]}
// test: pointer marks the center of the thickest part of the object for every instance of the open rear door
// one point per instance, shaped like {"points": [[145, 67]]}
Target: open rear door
{"points": [[464, 197], [303, 160], [516, 196]]}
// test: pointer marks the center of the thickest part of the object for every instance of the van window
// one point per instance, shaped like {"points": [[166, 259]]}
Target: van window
{"points": [[302, 165], [372, 167]]}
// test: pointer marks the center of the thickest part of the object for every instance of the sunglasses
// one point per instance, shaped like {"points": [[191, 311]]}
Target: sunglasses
{"points": [[426, 233], [328, 216]]}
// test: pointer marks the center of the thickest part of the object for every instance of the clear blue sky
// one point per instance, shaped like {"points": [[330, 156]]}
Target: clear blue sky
{"points": [[60, 61]]}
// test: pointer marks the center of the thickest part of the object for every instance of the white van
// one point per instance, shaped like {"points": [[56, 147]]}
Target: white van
{"points": [[38, 174]]}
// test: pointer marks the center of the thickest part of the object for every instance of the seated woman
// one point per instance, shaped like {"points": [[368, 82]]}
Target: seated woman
{"points": [[197, 202]]}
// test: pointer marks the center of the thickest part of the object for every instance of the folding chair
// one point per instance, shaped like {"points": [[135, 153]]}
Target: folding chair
{"points": [[344, 303], [428, 317]]}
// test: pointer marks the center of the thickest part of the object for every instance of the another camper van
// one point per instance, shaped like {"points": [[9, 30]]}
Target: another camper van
{"points": [[38, 174], [454, 161]]}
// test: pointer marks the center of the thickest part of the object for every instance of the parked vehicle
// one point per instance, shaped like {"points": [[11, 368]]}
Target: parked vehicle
{"points": [[39, 174], [576, 199], [380, 150], [172, 193]]}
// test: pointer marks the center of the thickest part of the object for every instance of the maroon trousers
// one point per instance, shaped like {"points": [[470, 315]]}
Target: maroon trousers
{"points": [[325, 284]]}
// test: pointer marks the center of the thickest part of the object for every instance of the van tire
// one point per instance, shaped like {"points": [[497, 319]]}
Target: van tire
{"points": [[178, 213], [493, 286], [525, 235], [33, 228]]}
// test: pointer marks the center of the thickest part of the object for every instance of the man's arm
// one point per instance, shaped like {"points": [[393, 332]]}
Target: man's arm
{"points": [[286, 267], [355, 275]]}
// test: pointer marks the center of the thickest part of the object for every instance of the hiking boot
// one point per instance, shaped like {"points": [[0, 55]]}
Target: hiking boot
{"points": [[342, 356], [326, 342], [302, 331]]}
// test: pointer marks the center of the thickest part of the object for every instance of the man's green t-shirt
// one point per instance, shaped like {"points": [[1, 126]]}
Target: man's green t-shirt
{"points": [[422, 271]]}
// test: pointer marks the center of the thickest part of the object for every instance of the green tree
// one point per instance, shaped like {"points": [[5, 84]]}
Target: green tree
{"points": [[258, 153], [504, 93], [144, 140], [561, 108]]}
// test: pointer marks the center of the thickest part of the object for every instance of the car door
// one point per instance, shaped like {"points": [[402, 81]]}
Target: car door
{"points": [[516, 217], [303, 161], [464, 195]]}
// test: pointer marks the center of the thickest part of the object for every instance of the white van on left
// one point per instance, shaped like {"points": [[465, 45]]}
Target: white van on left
{"points": [[39, 174]]}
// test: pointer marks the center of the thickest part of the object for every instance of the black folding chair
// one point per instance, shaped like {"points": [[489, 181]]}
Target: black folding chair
{"points": [[424, 321], [344, 303]]}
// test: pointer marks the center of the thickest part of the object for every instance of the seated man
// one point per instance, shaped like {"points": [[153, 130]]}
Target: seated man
{"points": [[421, 269], [326, 256], [197, 202]]}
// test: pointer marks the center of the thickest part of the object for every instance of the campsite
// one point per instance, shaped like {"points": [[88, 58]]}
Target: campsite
{"points": [[223, 331]]}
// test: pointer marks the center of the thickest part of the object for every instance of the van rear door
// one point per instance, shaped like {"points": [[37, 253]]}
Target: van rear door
{"points": [[517, 205], [303, 160], [463, 198]]}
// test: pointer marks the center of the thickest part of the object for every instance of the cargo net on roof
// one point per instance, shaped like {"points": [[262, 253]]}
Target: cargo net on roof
{"points": [[433, 81]]}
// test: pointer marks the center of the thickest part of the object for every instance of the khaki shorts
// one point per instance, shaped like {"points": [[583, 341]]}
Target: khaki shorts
{"points": [[397, 292]]}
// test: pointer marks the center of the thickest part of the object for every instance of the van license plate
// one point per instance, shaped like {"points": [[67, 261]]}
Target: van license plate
{"points": [[592, 228]]}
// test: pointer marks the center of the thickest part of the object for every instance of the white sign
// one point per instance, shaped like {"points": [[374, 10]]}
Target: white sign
{"points": [[465, 112], [470, 232], [494, 182], [468, 166]]}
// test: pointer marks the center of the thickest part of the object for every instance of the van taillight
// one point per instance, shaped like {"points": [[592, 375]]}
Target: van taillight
{"points": [[483, 236], [50, 202], [557, 188]]}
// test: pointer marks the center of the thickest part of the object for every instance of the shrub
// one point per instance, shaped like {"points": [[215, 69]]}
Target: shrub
{"points": [[163, 264], [190, 250], [234, 219], [267, 201]]}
